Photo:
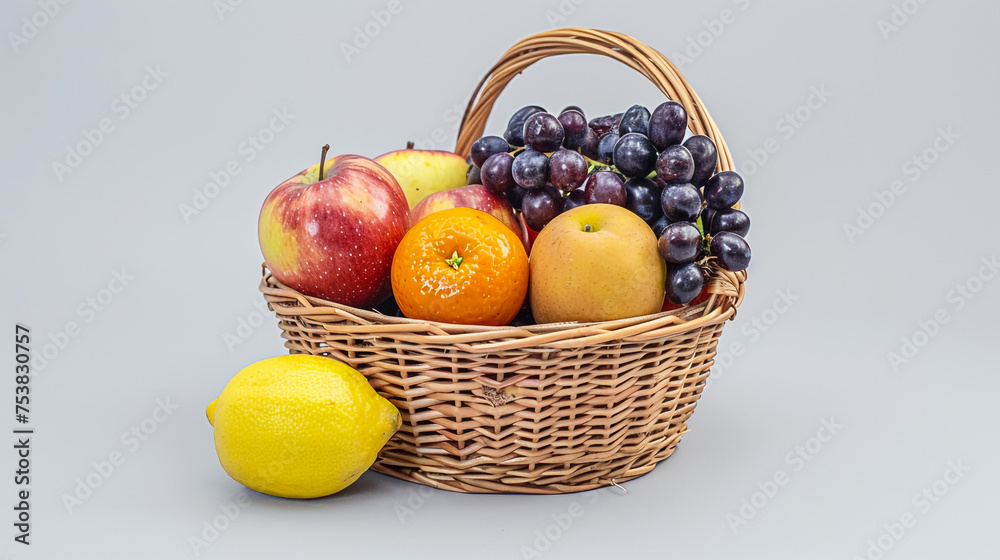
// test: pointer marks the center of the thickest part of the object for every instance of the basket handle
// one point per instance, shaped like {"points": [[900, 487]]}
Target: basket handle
{"points": [[575, 40]]}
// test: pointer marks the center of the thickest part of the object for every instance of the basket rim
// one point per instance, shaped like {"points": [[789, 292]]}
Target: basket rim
{"points": [[720, 307]]}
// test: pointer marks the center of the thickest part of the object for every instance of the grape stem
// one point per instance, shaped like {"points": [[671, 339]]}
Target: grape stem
{"points": [[596, 165]]}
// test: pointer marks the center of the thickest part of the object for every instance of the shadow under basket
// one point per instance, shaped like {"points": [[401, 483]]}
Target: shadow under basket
{"points": [[540, 409]]}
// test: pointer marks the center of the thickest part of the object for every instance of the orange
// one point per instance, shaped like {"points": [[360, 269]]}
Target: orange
{"points": [[460, 266]]}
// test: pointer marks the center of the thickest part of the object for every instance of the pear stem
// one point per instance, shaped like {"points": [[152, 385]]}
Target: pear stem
{"points": [[322, 160]]}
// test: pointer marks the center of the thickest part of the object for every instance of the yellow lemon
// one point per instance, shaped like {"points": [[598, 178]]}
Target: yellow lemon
{"points": [[300, 426]]}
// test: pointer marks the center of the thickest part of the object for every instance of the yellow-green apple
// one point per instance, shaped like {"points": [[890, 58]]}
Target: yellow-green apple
{"points": [[330, 232], [424, 172], [471, 196], [596, 262]]}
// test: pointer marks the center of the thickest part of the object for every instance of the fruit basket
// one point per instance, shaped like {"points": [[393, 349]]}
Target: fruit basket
{"points": [[547, 408]]}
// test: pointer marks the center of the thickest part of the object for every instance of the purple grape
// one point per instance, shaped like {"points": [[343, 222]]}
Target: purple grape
{"points": [[572, 108], [515, 196], [605, 187], [543, 132], [667, 124], [590, 143], [675, 165], [706, 217], [605, 124], [659, 225], [515, 126], [642, 197], [567, 170], [684, 282], [606, 148], [634, 155], [530, 168], [681, 202], [636, 119], [540, 206], [575, 198], [731, 220], [473, 176], [485, 147], [575, 126], [724, 189], [732, 250], [705, 156], [497, 175], [680, 242]]}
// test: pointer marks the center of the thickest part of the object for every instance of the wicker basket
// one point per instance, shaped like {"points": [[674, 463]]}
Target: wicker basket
{"points": [[539, 409]]}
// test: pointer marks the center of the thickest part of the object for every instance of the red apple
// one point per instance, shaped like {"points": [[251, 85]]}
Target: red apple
{"points": [[330, 232], [471, 196]]}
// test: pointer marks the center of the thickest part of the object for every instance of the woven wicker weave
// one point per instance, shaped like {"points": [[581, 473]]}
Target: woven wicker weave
{"points": [[538, 409]]}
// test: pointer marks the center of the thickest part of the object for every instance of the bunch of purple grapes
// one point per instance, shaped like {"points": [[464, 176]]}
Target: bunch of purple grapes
{"points": [[546, 164]]}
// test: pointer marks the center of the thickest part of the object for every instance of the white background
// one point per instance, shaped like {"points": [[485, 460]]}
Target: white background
{"points": [[64, 235]]}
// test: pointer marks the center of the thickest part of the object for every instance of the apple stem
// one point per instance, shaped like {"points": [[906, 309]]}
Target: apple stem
{"points": [[587, 228], [322, 160], [409, 145]]}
